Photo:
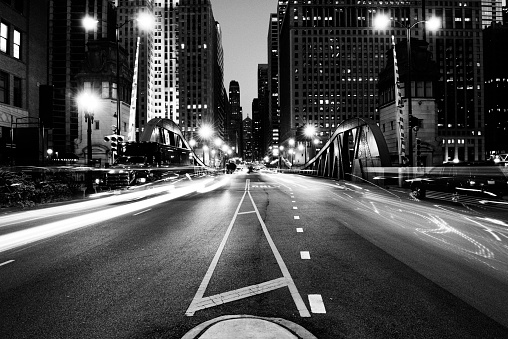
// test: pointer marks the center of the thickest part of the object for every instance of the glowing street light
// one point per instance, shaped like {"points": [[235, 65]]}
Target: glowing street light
{"points": [[205, 132], [382, 21], [145, 22], [309, 131], [88, 102]]}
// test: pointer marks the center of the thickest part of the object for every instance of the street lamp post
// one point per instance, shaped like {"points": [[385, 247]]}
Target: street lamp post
{"points": [[146, 22], [88, 102], [309, 132], [382, 21]]}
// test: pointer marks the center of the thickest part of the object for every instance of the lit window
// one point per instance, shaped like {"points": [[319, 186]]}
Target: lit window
{"points": [[16, 44], [4, 34]]}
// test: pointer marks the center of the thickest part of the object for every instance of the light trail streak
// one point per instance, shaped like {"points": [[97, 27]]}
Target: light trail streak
{"points": [[26, 216], [27, 236]]}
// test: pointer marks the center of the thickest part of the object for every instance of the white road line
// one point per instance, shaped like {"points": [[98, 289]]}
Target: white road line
{"points": [[249, 212], [297, 298], [293, 201], [316, 303], [296, 217], [206, 280], [241, 293], [6, 263], [305, 255], [143, 211], [299, 230], [198, 302], [295, 208]]}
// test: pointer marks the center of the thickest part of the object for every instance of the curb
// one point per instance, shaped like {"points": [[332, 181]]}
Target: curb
{"points": [[296, 330]]}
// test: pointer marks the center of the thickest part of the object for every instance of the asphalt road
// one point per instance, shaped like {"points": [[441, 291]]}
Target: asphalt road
{"points": [[341, 260]]}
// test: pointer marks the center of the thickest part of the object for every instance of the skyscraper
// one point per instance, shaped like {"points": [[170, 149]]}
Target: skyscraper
{"points": [[200, 68], [67, 45], [235, 117], [265, 133], [330, 58], [166, 87], [128, 34]]}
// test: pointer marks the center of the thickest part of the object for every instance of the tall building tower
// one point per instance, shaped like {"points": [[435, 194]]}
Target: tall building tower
{"points": [[247, 139], [330, 58], [492, 12], [200, 66], [265, 133], [235, 117], [273, 131], [128, 11], [256, 131], [496, 87], [166, 87], [67, 47]]}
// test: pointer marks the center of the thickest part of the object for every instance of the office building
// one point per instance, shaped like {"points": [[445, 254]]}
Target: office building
{"points": [[166, 87], [23, 76], [495, 54], [129, 32], [257, 155], [200, 65], [235, 118], [265, 131], [247, 139], [330, 58]]}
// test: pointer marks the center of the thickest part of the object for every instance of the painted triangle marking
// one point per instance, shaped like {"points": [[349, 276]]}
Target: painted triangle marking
{"points": [[245, 292], [199, 302]]}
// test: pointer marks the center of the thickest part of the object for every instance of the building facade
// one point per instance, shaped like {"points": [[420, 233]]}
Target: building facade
{"points": [[235, 118], [128, 33], [331, 55], [200, 69], [23, 70], [265, 130], [496, 88], [247, 127]]}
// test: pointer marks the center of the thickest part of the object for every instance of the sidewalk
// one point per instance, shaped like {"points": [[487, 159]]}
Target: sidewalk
{"points": [[248, 327]]}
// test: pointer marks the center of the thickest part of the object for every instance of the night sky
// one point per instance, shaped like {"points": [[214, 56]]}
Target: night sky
{"points": [[244, 25]]}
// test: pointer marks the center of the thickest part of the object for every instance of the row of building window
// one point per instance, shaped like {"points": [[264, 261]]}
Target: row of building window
{"points": [[5, 90], [10, 44]]}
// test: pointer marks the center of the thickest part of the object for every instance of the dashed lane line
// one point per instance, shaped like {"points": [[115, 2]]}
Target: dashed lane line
{"points": [[305, 255], [316, 303]]}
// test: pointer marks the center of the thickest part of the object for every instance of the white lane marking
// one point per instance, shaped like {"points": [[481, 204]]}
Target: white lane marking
{"points": [[299, 230], [295, 208], [143, 211], [198, 298], [293, 201], [249, 212], [241, 293], [297, 298], [206, 280], [316, 303], [297, 217], [305, 255], [6, 263]]}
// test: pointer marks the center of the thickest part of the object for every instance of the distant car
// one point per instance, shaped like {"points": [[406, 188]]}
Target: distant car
{"points": [[483, 180]]}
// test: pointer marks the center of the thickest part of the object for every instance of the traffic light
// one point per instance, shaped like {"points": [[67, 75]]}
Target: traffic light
{"points": [[114, 141], [414, 122], [418, 151], [418, 147]]}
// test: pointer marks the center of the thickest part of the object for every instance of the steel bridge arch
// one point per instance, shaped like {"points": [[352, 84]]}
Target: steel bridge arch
{"points": [[356, 144], [167, 132]]}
